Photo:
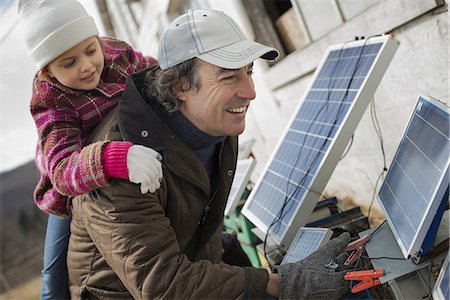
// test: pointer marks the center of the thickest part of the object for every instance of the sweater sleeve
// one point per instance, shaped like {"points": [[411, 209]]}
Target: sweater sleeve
{"points": [[67, 168], [137, 61], [149, 62]]}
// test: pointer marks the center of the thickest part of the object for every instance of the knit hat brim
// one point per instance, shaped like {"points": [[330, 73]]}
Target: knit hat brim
{"points": [[61, 40]]}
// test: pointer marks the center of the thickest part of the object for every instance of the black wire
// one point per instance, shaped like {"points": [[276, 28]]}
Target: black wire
{"points": [[378, 228], [377, 127], [348, 147], [383, 257], [280, 215], [375, 192]]}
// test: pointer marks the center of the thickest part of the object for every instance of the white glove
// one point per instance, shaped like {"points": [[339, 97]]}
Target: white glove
{"points": [[144, 168]]}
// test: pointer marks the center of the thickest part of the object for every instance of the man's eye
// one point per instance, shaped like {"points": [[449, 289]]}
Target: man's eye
{"points": [[228, 78]]}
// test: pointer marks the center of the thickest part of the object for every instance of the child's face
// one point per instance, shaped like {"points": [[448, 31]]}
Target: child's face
{"points": [[80, 67]]}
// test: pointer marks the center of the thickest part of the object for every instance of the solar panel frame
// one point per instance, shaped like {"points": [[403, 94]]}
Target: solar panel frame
{"points": [[243, 171], [323, 235], [336, 147], [245, 148], [413, 248], [441, 289]]}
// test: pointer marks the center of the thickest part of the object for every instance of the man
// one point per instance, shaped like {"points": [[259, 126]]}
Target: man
{"points": [[167, 244]]}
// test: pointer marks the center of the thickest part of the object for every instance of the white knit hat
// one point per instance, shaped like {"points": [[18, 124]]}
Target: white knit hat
{"points": [[54, 26], [212, 36]]}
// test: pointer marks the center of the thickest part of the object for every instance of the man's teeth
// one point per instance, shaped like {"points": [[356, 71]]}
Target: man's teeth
{"points": [[237, 109]]}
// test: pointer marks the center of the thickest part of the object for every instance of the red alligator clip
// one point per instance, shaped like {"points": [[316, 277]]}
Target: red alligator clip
{"points": [[357, 248], [368, 279]]}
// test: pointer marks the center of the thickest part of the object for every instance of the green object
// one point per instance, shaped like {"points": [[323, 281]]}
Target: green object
{"points": [[237, 222]]}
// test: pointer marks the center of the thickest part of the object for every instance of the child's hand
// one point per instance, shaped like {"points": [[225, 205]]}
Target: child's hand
{"points": [[144, 168]]}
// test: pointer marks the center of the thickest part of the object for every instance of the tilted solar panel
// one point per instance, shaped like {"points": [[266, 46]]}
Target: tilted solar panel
{"points": [[317, 134], [441, 290], [306, 242], [418, 177], [244, 169]]}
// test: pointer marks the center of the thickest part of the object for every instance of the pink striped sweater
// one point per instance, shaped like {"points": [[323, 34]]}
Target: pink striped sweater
{"points": [[64, 119]]}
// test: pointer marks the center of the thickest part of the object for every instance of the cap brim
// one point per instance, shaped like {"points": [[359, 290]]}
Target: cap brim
{"points": [[239, 54]]}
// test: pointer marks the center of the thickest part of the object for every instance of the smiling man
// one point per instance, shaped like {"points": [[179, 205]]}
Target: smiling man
{"points": [[167, 244]]}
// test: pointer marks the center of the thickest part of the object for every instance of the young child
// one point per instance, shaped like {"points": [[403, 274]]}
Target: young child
{"points": [[80, 80]]}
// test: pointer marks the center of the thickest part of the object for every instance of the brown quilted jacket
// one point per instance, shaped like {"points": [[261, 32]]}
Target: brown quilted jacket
{"points": [[163, 245]]}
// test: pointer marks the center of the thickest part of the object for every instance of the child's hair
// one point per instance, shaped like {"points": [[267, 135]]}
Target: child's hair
{"points": [[54, 26]]}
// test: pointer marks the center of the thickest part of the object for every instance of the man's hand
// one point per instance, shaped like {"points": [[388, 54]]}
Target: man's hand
{"points": [[144, 168], [310, 278]]}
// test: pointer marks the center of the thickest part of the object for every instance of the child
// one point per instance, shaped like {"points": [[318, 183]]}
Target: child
{"points": [[80, 80]]}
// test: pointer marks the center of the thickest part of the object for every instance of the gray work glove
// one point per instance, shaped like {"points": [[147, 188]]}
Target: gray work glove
{"points": [[310, 278]]}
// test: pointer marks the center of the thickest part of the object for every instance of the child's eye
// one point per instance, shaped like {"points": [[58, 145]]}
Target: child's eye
{"points": [[69, 64], [250, 72], [91, 51]]}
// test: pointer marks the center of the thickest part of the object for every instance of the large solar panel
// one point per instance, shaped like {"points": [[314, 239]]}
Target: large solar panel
{"points": [[418, 177], [244, 169], [317, 134], [306, 242], [442, 288]]}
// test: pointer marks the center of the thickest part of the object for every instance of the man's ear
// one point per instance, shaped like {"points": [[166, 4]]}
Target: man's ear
{"points": [[182, 95], [181, 89]]}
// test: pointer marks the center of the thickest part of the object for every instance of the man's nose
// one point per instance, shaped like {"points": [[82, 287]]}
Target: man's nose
{"points": [[247, 88]]}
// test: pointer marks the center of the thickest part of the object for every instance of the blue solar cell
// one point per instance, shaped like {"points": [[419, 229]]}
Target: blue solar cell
{"points": [[418, 176], [306, 242], [243, 171], [315, 130]]}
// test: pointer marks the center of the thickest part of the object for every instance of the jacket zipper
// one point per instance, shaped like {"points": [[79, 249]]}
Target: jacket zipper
{"points": [[208, 207]]}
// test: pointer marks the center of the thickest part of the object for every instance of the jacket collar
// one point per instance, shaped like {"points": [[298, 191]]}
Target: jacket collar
{"points": [[188, 132], [139, 124]]}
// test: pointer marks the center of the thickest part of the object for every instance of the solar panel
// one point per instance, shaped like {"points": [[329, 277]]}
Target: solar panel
{"points": [[418, 177], [442, 289], [306, 242], [244, 169], [317, 134], [245, 148]]}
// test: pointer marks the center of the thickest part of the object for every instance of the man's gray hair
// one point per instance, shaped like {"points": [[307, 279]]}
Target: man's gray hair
{"points": [[164, 84]]}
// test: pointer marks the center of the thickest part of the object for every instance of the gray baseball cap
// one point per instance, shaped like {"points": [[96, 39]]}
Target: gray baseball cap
{"points": [[212, 36]]}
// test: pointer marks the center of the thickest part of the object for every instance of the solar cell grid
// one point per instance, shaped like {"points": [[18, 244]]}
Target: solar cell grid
{"points": [[243, 171], [291, 174], [418, 176], [306, 242]]}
